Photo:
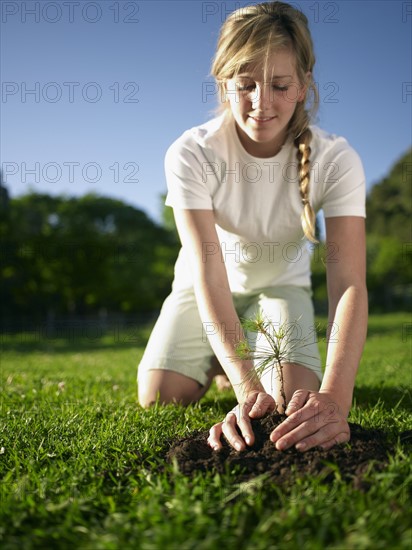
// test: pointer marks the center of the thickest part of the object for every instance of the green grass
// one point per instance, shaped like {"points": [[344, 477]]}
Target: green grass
{"points": [[73, 442]]}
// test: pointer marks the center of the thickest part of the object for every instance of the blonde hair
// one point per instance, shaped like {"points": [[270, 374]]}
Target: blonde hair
{"points": [[248, 36]]}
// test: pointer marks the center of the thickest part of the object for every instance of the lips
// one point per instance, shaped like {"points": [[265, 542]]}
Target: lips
{"points": [[262, 119]]}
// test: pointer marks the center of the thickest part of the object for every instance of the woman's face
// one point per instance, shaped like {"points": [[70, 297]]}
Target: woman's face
{"points": [[262, 110]]}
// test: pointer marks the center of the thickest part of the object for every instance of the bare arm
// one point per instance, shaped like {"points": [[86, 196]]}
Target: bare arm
{"points": [[320, 418], [348, 307], [199, 237]]}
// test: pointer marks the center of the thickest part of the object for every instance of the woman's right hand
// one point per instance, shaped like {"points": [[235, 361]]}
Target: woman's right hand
{"points": [[255, 405]]}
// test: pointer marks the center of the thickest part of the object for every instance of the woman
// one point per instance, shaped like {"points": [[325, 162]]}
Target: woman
{"points": [[245, 188]]}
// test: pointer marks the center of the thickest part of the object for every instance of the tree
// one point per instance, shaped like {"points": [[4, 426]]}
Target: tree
{"points": [[389, 202], [389, 237], [78, 255]]}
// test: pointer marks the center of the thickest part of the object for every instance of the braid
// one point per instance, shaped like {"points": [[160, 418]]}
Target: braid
{"points": [[308, 216]]}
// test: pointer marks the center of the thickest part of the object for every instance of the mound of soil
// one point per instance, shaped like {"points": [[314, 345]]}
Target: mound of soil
{"points": [[367, 449]]}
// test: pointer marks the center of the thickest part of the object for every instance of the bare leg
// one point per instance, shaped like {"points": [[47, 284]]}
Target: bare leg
{"points": [[173, 387], [295, 377], [169, 387], [221, 380]]}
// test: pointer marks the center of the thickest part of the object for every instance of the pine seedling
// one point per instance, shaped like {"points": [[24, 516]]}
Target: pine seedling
{"points": [[280, 342]]}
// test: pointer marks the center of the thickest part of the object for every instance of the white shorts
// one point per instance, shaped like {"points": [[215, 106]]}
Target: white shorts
{"points": [[179, 340]]}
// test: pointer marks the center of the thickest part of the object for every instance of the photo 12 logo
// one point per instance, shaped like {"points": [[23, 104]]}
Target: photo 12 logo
{"points": [[71, 171], [328, 93], [253, 172], [69, 12], [269, 252], [69, 92], [317, 12]]}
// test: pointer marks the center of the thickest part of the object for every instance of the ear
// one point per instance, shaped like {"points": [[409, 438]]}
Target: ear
{"points": [[305, 86]]}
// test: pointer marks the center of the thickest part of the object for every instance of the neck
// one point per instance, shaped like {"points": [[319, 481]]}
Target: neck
{"points": [[261, 150]]}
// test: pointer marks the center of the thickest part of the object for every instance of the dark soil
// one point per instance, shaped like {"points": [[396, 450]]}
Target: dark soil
{"points": [[367, 449]]}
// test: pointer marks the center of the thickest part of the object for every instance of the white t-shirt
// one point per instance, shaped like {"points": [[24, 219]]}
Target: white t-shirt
{"points": [[256, 201]]}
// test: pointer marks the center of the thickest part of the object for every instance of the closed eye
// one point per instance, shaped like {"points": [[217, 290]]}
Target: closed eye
{"points": [[247, 88], [251, 87]]}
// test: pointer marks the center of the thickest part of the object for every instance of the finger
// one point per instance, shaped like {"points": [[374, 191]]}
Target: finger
{"points": [[231, 433], [311, 427], [263, 404], [335, 441], [323, 440], [328, 445], [299, 398], [294, 435], [215, 433], [310, 435], [295, 419], [245, 425]]}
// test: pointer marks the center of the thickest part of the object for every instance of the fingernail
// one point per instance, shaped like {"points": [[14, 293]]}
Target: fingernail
{"points": [[248, 440], [281, 445], [238, 446], [300, 446]]}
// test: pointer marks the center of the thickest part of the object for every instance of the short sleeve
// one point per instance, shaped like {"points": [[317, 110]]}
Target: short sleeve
{"points": [[186, 184], [344, 191]]}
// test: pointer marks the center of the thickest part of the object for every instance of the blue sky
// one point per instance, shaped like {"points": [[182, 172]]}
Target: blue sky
{"points": [[114, 83]]}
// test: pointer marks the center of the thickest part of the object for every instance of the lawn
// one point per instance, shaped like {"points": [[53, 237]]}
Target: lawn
{"points": [[81, 463]]}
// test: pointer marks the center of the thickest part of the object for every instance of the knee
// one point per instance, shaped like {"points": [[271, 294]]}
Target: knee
{"points": [[148, 399], [145, 394], [145, 401], [149, 396], [164, 387]]}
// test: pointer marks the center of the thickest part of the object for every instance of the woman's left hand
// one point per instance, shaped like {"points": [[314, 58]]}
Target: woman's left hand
{"points": [[314, 420]]}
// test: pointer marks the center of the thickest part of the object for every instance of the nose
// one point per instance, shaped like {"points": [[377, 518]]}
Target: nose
{"points": [[262, 97]]}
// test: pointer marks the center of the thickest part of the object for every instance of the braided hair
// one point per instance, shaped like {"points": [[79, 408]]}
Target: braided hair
{"points": [[308, 216]]}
